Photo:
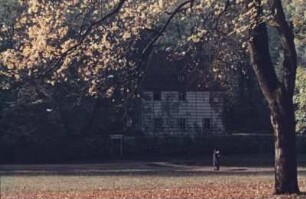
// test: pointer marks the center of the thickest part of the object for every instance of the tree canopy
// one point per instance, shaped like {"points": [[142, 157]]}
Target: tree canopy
{"points": [[54, 38]]}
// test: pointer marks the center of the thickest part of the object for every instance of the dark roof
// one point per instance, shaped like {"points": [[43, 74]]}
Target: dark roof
{"points": [[163, 73]]}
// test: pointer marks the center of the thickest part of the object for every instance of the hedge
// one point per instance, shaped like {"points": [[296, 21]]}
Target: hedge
{"points": [[100, 148]]}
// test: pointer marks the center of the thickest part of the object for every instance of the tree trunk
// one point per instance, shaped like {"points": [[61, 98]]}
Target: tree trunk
{"points": [[278, 91], [283, 122]]}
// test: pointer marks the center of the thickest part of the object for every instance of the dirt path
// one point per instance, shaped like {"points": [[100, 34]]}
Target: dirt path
{"points": [[127, 168]]}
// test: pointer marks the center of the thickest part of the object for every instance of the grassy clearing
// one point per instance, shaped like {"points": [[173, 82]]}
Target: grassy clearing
{"points": [[140, 180]]}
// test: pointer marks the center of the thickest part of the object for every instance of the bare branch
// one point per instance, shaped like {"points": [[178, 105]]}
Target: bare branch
{"points": [[227, 4], [149, 46], [164, 27]]}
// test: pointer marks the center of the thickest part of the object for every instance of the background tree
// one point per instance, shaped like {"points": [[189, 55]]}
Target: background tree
{"points": [[295, 9], [300, 100]]}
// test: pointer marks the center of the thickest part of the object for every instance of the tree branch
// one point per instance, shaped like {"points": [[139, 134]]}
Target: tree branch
{"points": [[86, 33], [164, 27], [53, 64], [260, 55], [149, 46], [285, 30], [227, 4]]}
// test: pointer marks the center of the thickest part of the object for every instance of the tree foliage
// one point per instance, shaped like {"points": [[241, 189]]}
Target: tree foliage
{"points": [[52, 36], [300, 100]]}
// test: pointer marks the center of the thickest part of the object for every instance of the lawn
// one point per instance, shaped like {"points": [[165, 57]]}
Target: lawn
{"points": [[136, 179]]}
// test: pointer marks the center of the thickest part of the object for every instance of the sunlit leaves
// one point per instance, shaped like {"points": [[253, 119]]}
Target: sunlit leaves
{"points": [[48, 29], [296, 11], [300, 100]]}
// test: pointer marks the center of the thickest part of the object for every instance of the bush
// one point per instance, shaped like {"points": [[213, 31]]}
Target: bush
{"points": [[204, 145]]}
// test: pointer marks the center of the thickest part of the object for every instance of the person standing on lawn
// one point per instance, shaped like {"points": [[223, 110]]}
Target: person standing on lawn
{"points": [[216, 159]]}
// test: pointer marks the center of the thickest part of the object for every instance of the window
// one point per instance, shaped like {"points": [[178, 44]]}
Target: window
{"points": [[182, 96], [215, 99], [182, 123], [157, 95], [207, 123], [146, 96], [206, 97], [180, 77], [158, 123], [129, 122]]}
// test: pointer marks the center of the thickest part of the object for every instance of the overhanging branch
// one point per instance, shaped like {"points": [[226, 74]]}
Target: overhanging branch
{"points": [[85, 34], [146, 51], [55, 63], [164, 27]]}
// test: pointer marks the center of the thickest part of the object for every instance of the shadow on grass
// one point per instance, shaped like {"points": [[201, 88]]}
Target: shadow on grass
{"points": [[135, 173], [149, 169], [201, 166]]}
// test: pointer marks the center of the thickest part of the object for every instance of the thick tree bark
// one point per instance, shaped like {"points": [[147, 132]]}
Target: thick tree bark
{"points": [[283, 122], [278, 92]]}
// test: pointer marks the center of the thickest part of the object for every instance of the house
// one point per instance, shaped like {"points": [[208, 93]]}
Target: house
{"points": [[175, 102]]}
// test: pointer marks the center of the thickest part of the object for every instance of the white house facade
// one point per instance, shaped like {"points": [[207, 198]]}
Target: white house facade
{"points": [[182, 113], [175, 102]]}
